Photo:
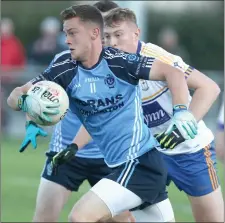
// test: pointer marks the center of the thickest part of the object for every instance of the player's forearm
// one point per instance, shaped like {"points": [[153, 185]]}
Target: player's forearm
{"points": [[175, 80], [202, 100], [82, 138], [12, 100], [178, 87]]}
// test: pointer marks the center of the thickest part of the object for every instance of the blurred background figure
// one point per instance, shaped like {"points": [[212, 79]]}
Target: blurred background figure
{"points": [[12, 50], [48, 44], [169, 40], [220, 141], [12, 59]]}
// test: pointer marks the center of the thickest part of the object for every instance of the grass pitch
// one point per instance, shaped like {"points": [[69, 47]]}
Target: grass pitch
{"points": [[20, 179]]}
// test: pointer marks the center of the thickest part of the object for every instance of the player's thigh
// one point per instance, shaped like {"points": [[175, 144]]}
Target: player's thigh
{"points": [[51, 199], [194, 173], [137, 181], [106, 199], [97, 169], [159, 212], [55, 187], [208, 208]]}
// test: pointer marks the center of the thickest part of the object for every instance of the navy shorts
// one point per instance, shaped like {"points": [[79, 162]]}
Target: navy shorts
{"points": [[73, 173], [145, 176], [194, 173]]}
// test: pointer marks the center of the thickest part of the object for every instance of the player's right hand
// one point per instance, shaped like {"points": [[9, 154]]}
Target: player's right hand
{"points": [[32, 131], [32, 104], [171, 140], [65, 155], [185, 121]]}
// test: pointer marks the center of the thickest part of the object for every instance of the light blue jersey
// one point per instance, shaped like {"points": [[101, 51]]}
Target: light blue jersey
{"points": [[107, 100], [64, 133]]}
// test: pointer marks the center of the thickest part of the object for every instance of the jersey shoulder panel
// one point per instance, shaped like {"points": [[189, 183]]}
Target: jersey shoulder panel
{"points": [[61, 70], [150, 49], [129, 67]]}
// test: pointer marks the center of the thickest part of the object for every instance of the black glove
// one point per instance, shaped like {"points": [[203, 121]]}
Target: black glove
{"points": [[64, 156], [171, 140]]}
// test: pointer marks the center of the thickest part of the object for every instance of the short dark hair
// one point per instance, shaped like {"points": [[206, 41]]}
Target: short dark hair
{"points": [[86, 13], [105, 5], [120, 15]]}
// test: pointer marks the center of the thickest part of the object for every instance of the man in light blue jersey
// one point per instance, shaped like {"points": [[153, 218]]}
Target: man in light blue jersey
{"points": [[191, 164], [102, 85], [56, 188]]}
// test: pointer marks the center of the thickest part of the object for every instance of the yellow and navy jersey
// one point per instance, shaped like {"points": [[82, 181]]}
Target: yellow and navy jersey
{"points": [[157, 101]]}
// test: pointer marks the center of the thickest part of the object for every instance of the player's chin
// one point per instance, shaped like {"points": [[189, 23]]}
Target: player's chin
{"points": [[74, 55]]}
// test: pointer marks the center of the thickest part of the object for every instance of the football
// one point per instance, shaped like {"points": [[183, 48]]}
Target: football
{"points": [[47, 91]]}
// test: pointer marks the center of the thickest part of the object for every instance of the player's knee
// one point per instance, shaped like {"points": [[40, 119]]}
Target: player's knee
{"points": [[44, 218], [76, 216], [160, 212]]}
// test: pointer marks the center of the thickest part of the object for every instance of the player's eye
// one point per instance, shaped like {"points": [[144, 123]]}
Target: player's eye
{"points": [[71, 33]]}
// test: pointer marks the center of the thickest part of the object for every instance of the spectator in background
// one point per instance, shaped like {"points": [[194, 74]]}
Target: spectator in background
{"points": [[47, 45], [12, 51], [220, 141], [169, 40]]}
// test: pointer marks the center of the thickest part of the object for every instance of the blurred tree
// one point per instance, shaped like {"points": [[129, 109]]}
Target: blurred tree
{"points": [[202, 34], [27, 16]]}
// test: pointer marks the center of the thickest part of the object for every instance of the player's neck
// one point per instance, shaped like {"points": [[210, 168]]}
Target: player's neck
{"points": [[93, 56], [134, 48]]}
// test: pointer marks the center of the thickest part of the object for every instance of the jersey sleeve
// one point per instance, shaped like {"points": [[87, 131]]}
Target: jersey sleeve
{"points": [[152, 50], [46, 75], [61, 70], [139, 66], [129, 67]]}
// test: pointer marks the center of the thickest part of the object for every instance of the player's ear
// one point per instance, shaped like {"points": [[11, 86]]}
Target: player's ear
{"points": [[137, 34], [95, 33]]}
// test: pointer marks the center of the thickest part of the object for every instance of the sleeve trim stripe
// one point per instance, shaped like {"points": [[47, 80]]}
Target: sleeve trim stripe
{"points": [[189, 71], [159, 55], [60, 54], [63, 72]]}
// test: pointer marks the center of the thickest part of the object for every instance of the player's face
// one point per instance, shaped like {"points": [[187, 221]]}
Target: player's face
{"points": [[78, 38], [123, 35]]}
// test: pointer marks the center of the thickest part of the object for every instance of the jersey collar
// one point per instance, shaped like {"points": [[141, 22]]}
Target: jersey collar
{"points": [[139, 47], [99, 60]]}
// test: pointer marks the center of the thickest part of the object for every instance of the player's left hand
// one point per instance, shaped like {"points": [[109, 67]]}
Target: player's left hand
{"points": [[65, 155], [184, 121], [170, 141], [32, 131]]}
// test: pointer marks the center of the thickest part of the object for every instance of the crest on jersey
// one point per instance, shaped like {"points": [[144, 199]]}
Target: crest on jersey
{"points": [[177, 65], [132, 57], [144, 85], [110, 81]]}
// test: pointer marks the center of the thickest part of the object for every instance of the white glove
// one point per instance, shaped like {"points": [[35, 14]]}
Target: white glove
{"points": [[36, 107], [184, 121]]}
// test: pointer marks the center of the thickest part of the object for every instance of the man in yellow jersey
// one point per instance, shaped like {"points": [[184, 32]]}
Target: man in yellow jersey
{"points": [[191, 162]]}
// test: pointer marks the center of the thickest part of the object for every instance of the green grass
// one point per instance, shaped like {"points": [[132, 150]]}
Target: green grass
{"points": [[20, 180]]}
